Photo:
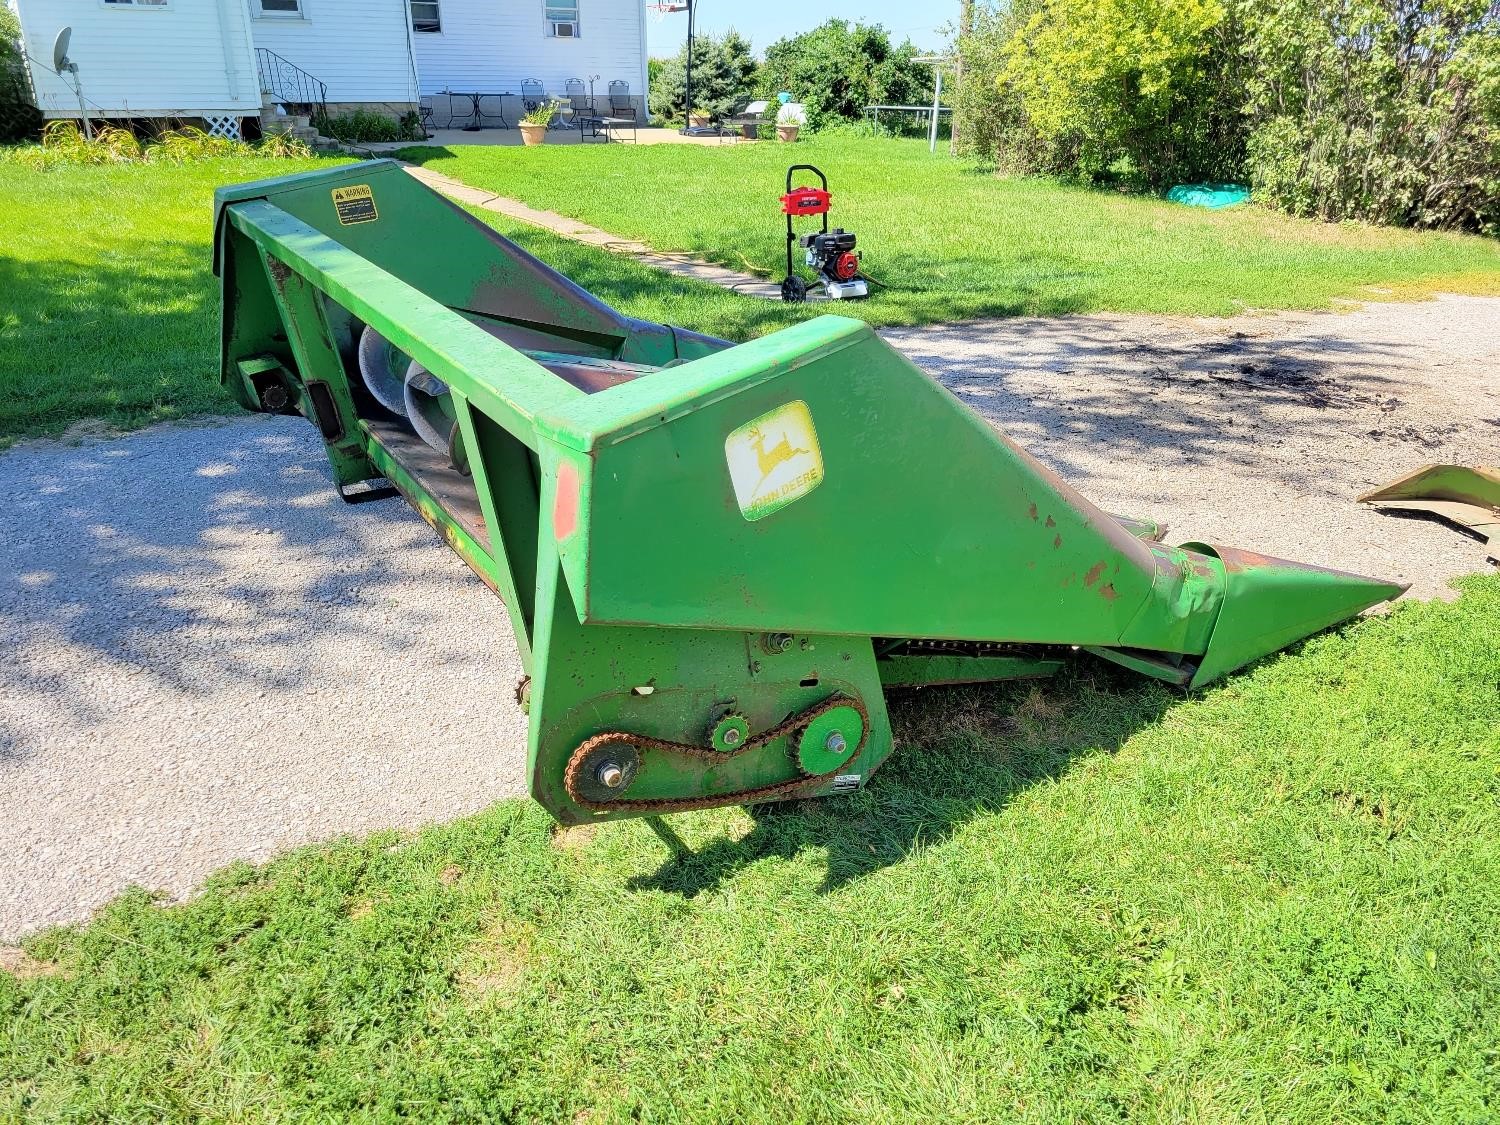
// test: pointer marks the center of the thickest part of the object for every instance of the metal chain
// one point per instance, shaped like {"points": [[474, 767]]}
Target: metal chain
{"points": [[744, 796]]}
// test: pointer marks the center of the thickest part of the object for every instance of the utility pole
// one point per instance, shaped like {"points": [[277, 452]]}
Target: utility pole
{"points": [[965, 29], [687, 101]]}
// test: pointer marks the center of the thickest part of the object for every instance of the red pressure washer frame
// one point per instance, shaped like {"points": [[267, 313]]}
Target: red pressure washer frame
{"points": [[803, 201]]}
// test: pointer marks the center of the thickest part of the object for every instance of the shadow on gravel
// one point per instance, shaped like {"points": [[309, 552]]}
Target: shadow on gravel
{"points": [[193, 558], [960, 752]]}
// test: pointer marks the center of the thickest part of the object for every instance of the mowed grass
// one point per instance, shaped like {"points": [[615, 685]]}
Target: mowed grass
{"points": [[109, 310], [951, 241], [108, 306], [1090, 899]]}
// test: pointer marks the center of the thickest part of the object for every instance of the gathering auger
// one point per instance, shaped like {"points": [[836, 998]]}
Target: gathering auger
{"points": [[715, 557]]}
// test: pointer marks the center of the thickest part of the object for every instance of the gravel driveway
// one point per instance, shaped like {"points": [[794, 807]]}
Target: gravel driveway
{"points": [[210, 657]]}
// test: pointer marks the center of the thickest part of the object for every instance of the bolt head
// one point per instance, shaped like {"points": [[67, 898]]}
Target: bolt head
{"points": [[732, 737], [835, 743], [610, 775]]}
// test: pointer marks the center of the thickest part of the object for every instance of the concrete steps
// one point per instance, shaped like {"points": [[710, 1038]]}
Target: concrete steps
{"points": [[296, 125]]}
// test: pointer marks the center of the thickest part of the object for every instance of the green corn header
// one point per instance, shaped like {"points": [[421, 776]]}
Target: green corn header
{"points": [[715, 557]]}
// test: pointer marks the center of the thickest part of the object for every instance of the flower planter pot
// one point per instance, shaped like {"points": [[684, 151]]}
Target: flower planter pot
{"points": [[533, 134], [786, 132]]}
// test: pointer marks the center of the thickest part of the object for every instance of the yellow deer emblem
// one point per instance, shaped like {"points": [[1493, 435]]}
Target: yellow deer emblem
{"points": [[768, 459]]}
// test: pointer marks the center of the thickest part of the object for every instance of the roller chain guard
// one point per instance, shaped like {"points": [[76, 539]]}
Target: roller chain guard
{"points": [[578, 787]]}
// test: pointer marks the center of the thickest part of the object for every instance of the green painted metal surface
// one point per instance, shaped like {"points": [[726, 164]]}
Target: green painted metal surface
{"points": [[693, 537]]}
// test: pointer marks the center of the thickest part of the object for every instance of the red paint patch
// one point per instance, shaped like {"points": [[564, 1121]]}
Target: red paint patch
{"points": [[1094, 573], [565, 502]]}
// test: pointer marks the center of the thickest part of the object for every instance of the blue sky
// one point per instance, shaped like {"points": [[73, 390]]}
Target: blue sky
{"points": [[765, 21]]}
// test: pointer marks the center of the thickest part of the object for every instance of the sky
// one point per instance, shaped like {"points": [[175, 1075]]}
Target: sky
{"points": [[765, 21]]}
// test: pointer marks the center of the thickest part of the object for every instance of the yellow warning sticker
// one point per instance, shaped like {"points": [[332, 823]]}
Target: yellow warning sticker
{"points": [[774, 460], [355, 204]]}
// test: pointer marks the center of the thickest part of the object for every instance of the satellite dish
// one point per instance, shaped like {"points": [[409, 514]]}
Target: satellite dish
{"points": [[60, 61]]}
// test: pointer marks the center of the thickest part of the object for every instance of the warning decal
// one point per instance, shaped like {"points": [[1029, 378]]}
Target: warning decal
{"points": [[355, 204], [774, 460]]}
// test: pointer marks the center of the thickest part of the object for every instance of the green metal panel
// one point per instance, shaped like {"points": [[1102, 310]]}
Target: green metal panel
{"points": [[714, 545]]}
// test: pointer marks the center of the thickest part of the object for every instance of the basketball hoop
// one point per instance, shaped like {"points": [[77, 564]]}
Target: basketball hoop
{"points": [[662, 10]]}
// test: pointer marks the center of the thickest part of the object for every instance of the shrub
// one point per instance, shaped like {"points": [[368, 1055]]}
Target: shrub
{"points": [[367, 126], [838, 68], [63, 143], [1135, 89], [1385, 110], [19, 117], [723, 77]]}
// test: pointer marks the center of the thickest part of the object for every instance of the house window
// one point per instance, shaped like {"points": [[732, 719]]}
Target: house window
{"points": [[280, 9], [424, 16], [562, 20]]}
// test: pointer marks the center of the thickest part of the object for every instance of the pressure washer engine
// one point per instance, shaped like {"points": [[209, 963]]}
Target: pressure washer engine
{"points": [[829, 252]]}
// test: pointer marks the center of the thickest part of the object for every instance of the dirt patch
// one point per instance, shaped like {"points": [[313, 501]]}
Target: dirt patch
{"points": [[574, 838], [21, 965], [1257, 431], [493, 968]]}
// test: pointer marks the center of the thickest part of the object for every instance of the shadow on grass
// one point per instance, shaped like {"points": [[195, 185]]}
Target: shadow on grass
{"points": [[961, 752], [128, 336]]}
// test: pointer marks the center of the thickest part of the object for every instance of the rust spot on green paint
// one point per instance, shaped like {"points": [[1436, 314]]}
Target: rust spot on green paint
{"points": [[1031, 510], [1056, 541], [1051, 522], [1107, 592], [1094, 574]]}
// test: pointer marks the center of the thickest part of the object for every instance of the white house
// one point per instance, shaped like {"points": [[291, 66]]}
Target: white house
{"points": [[495, 45], [218, 59]]}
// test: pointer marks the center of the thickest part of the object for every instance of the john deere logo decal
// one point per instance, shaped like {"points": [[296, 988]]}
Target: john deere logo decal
{"points": [[774, 460]]}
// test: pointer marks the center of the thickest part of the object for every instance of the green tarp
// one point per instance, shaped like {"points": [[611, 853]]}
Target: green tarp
{"points": [[1212, 196]]}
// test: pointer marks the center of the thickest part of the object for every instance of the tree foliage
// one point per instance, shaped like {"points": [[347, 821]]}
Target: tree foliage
{"points": [[723, 77], [1386, 110], [838, 68], [19, 117]]}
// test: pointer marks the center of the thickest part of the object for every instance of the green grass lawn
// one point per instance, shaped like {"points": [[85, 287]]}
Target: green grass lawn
{"points": [[1086, 900], [951, 241], [109, 309]]}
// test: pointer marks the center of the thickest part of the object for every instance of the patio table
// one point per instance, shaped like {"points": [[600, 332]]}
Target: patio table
{"points": [[476, 114]]}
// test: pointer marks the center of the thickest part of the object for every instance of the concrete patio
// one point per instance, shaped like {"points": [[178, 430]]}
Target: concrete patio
{"points": [[644, 135]]}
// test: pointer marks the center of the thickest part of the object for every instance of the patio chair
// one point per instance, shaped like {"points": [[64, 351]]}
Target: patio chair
{"points": [[620, 104], [425, 112], [577, 94], [533, 93]]}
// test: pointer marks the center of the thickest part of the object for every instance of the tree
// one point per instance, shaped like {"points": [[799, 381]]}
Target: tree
{"points": [[724, 74], [19, 118], [839, 68]]}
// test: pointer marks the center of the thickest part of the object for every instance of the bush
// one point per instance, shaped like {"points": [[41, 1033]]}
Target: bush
{"points": [[837, 69], [368, 126], [723, 77], [19, 117], [63, 143], [1385, 110], [1132, 89]]}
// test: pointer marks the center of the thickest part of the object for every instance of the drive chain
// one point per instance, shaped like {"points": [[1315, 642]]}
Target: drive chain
{"points": [[793, 725]]}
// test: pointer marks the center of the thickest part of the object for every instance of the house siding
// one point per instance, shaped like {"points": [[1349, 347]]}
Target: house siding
{"points": [[493, 45], [190, 58], [358, 47]]}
